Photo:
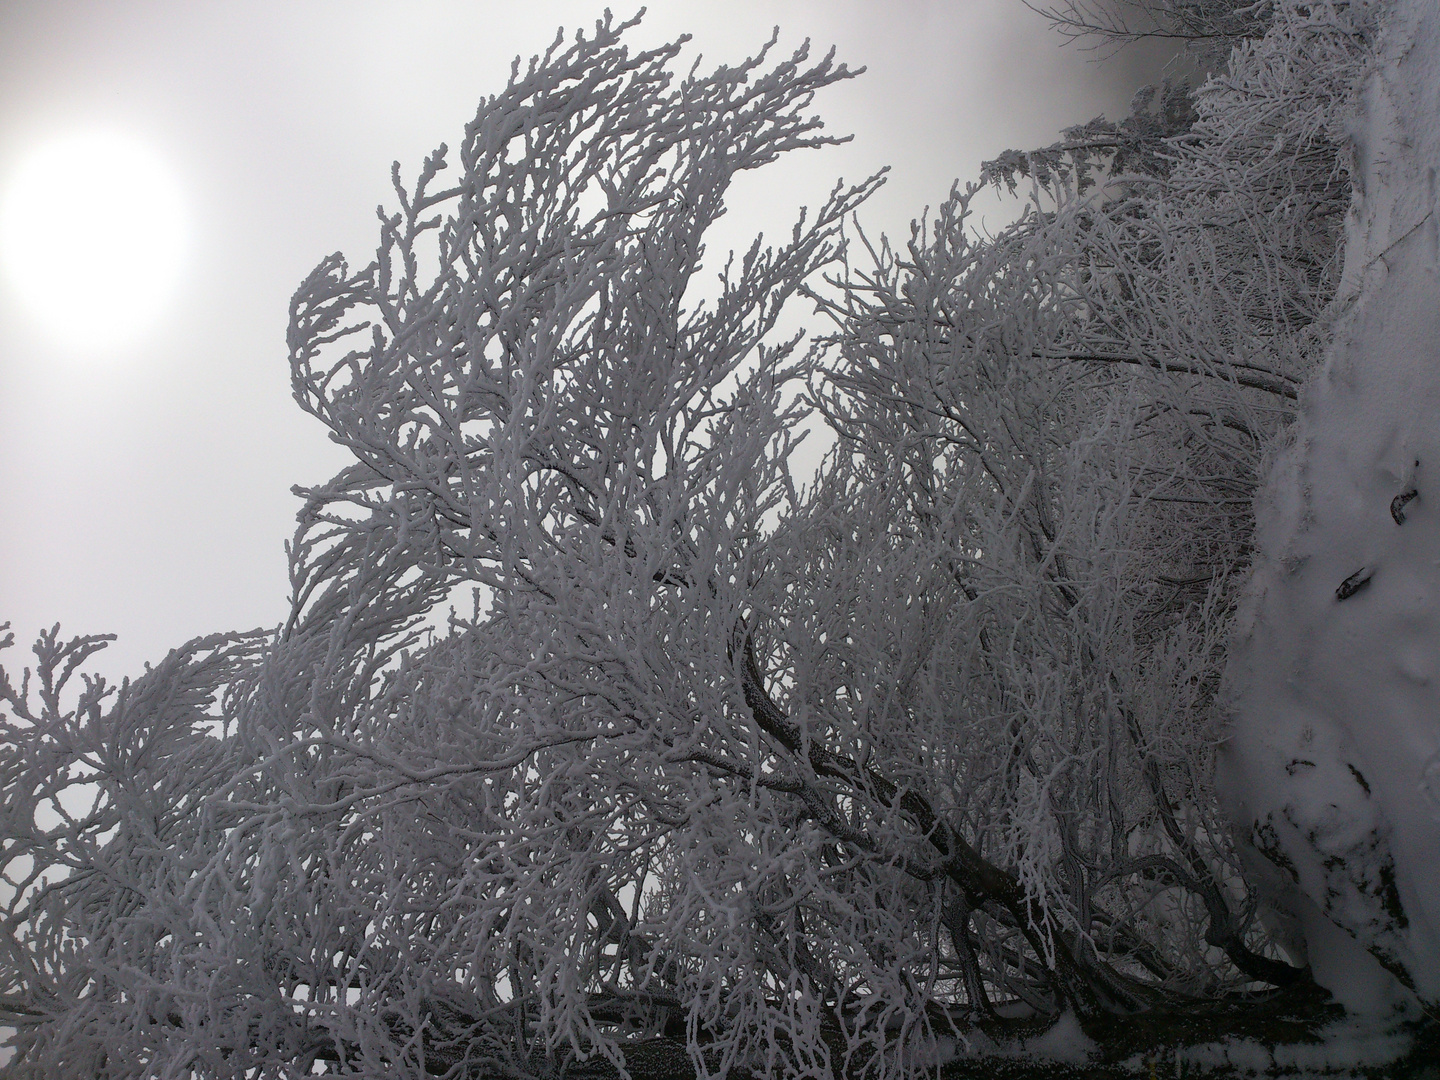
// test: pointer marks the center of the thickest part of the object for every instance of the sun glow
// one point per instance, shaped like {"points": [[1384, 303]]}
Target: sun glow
{"points": [[92, 235]]}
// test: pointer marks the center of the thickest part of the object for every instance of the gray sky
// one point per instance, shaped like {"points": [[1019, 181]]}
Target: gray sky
{"points": [[145, 490]]}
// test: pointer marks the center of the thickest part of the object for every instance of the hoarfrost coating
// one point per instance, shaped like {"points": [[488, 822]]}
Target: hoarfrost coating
{"points": [[914, 761], [1332, 765]]}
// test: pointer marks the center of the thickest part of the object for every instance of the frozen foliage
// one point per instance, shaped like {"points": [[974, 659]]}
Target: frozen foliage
{"points": [[909, 764], [1070, 421], [1208, 29], [1336, 750]]}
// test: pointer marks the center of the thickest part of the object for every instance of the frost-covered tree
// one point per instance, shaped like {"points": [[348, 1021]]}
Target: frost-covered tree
{"points": [[720, 770], [1206, 30], [1215, 262]]}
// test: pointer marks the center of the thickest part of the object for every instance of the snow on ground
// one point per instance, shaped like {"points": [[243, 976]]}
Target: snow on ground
{"points": [[1334, 759], [1345, 1048], [1062, 1043]]}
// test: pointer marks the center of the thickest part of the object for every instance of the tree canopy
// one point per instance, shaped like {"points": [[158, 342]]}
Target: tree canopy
{"points": [[847, 775]]}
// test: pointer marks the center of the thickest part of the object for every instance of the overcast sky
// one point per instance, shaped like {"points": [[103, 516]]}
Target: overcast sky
{"points": [[144, 489]]}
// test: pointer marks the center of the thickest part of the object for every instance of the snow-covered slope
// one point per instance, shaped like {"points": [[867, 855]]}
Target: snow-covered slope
{"points": [[1333, 764]]}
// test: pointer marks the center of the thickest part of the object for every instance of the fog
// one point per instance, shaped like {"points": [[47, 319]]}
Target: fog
{"points": [[146, 487]]}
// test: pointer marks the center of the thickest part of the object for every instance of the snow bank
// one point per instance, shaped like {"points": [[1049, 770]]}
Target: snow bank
{"points": [[1345, 1049], [1333, 762], [1062, 1043], [1343, 1054]]}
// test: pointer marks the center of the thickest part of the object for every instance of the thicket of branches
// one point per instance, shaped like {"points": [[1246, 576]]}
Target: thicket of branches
{"points": [[806, 778]]}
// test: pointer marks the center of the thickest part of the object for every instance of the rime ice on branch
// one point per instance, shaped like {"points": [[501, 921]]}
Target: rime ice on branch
{"points": [[843, 778]]}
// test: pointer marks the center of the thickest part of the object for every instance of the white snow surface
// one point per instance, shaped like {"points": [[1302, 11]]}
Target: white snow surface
{"points": [[1343, 1050], [1063, 1042], [1332, 765], [1342, 1054]]}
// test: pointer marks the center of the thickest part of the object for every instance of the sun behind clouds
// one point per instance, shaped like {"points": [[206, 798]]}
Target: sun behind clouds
{"points": [[92, 238]]}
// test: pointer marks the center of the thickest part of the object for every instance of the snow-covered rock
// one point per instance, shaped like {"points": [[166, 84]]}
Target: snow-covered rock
{"points": [[1332, 766]]}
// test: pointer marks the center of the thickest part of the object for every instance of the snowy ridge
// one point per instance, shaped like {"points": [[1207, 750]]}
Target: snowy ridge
{"points": [[1332, 767]]}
